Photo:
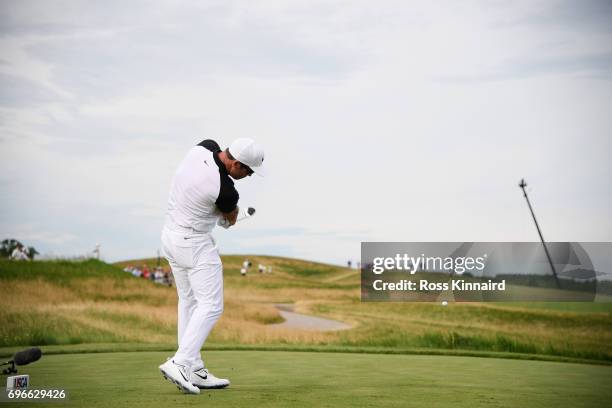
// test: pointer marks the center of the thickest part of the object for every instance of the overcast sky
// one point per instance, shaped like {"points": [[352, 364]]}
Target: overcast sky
{"points": [[381, 121]]}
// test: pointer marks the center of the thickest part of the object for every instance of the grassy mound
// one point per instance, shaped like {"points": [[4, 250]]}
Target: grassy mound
{"points": [[46, 303], [60, 271]]}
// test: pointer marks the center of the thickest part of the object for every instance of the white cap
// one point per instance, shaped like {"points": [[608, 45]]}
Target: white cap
{"points": [[247, 152]]}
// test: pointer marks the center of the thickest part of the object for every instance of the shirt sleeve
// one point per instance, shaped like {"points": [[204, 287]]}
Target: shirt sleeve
{"points": [[228, 195]]}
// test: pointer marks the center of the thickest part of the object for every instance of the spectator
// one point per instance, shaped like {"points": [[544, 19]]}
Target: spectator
{"points": [[159, 276], [19, 254], [136, 272], [145, 271], [169, 277]]}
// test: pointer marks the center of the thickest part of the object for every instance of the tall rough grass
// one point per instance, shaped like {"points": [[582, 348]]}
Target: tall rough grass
{"points": [[91, 302]]}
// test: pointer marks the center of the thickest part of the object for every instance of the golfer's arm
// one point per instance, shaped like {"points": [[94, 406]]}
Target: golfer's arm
{"points": [[227, 201]]}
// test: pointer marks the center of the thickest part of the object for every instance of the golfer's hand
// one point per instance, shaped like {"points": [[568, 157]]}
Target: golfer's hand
{"points": [[231, 216]]}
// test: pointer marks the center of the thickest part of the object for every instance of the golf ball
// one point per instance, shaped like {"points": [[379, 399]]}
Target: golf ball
{"points": [[444, 303]]}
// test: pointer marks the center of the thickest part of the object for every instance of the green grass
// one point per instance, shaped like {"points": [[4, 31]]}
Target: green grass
{"points": [[59, 271], [301, 379], [309, 270], [79, 348], [576, 307]]}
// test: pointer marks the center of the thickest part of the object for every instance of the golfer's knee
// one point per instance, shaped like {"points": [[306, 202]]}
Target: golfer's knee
{"points": [[187, 301], [211, 311], [220, 311], [216, 311]]}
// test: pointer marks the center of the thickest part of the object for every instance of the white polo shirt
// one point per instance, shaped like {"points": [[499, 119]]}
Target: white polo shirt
{"points": [[201, 189]]}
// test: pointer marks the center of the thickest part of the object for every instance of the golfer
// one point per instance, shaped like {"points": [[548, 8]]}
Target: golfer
{"points": [[202, 195]]}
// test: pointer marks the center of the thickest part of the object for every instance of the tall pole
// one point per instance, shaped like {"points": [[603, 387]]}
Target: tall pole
{"points": [[522, 185]]}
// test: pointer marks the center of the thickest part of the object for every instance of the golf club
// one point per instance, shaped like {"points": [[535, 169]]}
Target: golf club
{"points": [[243, 214]]}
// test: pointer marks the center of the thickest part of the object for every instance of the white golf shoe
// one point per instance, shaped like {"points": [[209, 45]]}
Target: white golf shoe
{"points": [[203, 379], [179, 375]]}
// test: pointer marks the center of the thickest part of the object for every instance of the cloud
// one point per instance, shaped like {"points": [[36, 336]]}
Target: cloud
{"points": [[393, 121], [18, 63], [597, 66], [32, 233]]}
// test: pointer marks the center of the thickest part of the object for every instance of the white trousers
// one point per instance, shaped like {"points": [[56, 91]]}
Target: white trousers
{"points": [[198, 276]]}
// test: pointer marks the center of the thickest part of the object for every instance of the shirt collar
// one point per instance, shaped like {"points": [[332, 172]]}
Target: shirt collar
{"points": [[219, 162]]}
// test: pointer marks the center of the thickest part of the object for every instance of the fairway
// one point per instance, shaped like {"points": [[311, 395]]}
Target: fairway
{"points": [[300, 379]]}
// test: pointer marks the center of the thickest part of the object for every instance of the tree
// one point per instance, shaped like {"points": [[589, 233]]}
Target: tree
{"points": [[32, 252], [8, 246]]}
